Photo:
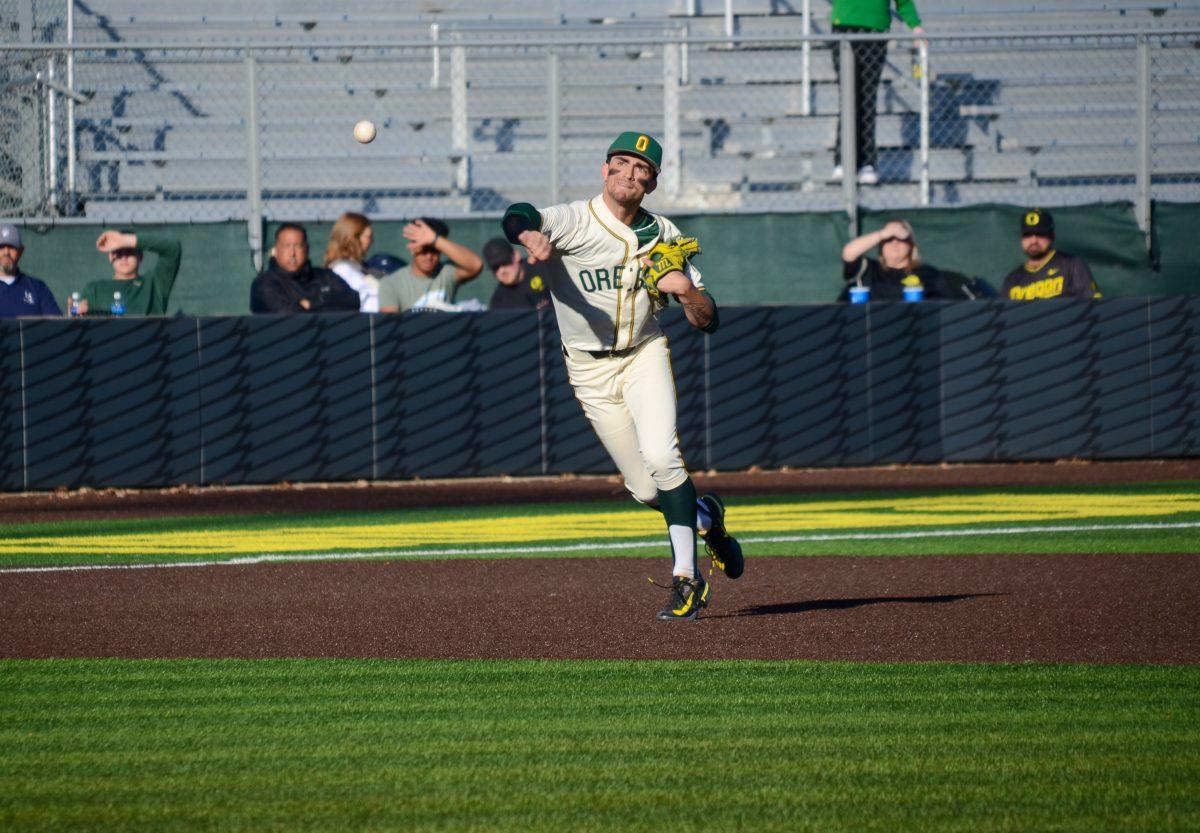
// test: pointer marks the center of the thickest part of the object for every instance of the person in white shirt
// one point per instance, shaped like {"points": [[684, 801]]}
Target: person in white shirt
{"points": [[348, 244]]}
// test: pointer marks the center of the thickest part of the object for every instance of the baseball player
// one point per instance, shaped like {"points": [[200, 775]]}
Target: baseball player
{"points": [[1046, 273], [615, 267]]}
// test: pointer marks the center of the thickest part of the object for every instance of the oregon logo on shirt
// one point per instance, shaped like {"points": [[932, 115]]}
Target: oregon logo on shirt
{"points": [[599, 280], [1048, 288]]}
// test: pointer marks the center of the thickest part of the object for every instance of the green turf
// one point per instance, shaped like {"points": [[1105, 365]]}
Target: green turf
{"points": [[1083, 541], [580, 746]]}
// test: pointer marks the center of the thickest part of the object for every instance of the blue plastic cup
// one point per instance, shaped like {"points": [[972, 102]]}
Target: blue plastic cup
{"points": [[914, 293], [860, 294]]}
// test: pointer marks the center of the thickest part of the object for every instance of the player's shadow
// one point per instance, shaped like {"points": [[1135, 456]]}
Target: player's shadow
{"points": [[784, 608]]}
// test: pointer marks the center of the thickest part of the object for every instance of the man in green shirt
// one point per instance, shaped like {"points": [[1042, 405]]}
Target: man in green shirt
{"points": [[865, 17], [140, 295], [426, 283]]}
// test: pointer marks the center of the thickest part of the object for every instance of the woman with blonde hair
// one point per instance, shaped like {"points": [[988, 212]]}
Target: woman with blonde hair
{"points": [[348, 244], [898, 265]]}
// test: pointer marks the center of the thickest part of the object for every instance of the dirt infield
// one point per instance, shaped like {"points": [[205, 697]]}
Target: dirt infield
{"points": [[133, 503], [1061, 608]]}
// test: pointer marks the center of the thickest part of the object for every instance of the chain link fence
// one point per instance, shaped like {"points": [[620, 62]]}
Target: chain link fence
{"points": [[472, 122]]}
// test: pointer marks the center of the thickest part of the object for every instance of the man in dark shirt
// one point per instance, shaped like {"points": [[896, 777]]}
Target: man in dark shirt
{"points": [[521, 285], [291, 284], [20, 294], [1046, 273], [898, 266]]}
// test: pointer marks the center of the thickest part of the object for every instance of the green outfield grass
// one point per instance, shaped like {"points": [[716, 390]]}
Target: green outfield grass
{"points": [[1141, 518], [655, 746]]}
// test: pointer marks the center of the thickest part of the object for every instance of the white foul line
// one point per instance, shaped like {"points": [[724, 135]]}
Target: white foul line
{"points": [[621, 545]]}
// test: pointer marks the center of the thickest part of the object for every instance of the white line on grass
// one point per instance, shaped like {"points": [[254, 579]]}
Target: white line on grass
{"points": [[620, 545]]}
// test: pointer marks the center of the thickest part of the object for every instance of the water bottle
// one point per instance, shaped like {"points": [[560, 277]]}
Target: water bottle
{"points": [[914, 290], [118, 306], [73, 306]]}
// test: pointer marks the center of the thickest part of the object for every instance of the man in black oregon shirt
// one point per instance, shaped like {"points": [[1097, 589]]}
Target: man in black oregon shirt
{"points": [[1047, 272], [521, 285]]}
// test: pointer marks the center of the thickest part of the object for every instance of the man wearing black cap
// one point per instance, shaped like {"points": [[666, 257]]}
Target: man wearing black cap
{"points": [[521, 285], [1046, 273], [20, 294]]}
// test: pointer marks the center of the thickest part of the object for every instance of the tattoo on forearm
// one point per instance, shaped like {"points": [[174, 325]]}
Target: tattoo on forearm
{"points": [[698, 310]]}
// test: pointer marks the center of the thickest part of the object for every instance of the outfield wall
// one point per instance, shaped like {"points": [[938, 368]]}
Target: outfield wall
{"points": [[228, 400], [747, 259]]}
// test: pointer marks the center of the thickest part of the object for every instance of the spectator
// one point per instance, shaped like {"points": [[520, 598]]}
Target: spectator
{"points": [[383, 264], [1046, 273], [865, 17], [425, 283], [520, 285], [140, 296], [348, 244], [291, 284], [899, 264], [20, 294]]}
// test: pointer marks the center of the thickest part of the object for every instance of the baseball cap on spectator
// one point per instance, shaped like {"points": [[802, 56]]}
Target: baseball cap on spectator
{"points": [[10, 235], [497, 252], [640, 145], [1037, 221], [382, 264]]}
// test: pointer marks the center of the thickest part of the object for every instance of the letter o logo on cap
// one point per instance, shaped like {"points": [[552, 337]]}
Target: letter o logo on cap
{"points": [[642, 143], [1032, 218]]}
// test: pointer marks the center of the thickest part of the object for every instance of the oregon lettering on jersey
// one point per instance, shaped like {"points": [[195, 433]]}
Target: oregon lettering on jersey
{"points": [[1048, 288], [600, 279]]}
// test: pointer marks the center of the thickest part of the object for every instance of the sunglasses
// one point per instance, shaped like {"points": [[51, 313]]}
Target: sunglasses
{"points": [[125, 253], [893, 237]]}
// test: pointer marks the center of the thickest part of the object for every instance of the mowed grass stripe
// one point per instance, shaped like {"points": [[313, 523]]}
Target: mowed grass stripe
{"points": [[422, 745], [900, 512], [1107, 538]]}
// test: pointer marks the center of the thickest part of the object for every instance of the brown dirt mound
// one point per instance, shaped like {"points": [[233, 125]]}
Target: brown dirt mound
{"points": [[1060, 608]]}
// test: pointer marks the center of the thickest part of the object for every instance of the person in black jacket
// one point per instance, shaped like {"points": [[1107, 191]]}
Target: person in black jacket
{"points": [[291, 284]]}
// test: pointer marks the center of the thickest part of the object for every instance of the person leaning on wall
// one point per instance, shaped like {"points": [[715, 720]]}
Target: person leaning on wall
{"points": [[290, 284], [1046, 272], [349, 242], [21, 295], [138, 295], [896, 267]]}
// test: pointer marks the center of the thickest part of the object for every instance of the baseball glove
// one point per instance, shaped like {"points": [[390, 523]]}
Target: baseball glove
{"points": [[666, 258]]}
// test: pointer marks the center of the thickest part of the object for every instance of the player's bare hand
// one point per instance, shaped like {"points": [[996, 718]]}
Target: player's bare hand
{"points": [[111, 241], [419, 234], [537, 244], [675, 283]]}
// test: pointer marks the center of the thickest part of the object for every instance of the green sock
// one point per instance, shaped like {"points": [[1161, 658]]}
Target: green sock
{"points": [[679, 509]]}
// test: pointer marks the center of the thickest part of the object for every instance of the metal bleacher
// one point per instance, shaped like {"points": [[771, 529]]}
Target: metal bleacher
{"points": [[164, 133]]}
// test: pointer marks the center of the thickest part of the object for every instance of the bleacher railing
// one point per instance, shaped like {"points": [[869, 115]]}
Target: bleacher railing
{"points": [[472, 121]]}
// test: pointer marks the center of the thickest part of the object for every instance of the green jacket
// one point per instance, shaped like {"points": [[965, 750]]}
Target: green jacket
{"points": [[873, 14], [145, 294]]}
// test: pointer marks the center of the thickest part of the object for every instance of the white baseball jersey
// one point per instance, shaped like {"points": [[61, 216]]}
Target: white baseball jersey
{"points": [[599, 299]]}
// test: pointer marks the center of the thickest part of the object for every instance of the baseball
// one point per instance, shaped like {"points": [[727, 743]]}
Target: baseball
{"points": [[364, 131]]}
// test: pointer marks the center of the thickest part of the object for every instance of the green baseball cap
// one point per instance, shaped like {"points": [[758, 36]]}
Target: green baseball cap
{"points": [[640, 145]]}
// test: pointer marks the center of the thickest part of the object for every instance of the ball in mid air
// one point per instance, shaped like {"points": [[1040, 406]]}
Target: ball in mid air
{"points": [[364, 131]]}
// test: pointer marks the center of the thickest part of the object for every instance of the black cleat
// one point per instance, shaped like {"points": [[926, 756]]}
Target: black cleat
{"points": [[721, 547], [688, 595]]}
